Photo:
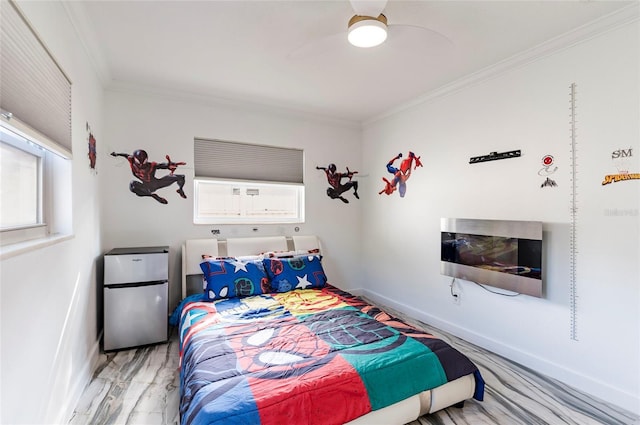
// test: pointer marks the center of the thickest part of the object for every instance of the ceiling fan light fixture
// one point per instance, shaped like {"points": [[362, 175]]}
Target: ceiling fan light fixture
{"points": [[367, 31]]}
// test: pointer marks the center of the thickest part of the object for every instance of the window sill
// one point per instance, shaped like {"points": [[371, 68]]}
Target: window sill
{"points": [[15, 249]]}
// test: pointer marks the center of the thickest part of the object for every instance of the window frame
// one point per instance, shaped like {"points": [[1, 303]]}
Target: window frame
{"points": [[243, 218], [29, 144], [36, 105]]}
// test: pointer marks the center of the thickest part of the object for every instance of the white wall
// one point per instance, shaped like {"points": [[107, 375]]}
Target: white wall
{"points": [[525, 108], [48, 296], [162, 125]]}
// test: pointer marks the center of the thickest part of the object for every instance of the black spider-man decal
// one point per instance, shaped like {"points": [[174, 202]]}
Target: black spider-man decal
{"points": [[145, 171]]}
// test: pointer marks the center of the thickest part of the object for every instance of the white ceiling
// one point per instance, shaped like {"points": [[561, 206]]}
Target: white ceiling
{"points": [[294, 54]]}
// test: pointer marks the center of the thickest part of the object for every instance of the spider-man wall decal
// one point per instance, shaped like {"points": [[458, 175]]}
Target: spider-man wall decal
{"points": [[400, 175], [145, 172], [91, 142], [337, 188]]}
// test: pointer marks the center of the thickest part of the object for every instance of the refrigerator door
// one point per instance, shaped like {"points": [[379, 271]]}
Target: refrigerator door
{"points": [[120, 269], [135, 315]]}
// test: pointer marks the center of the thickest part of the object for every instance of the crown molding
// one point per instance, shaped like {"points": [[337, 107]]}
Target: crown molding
{"points": [[609, 22], [82, 25], [270, 108], [80, 21]]}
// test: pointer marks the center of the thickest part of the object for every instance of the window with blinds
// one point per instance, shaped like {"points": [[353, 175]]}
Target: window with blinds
{"points": [[35, 94], [244, 183], [35, 134]]}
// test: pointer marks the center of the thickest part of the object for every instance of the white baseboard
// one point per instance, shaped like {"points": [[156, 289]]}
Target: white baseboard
{"points": [[595, 387], [358, 292], [82, 379]]}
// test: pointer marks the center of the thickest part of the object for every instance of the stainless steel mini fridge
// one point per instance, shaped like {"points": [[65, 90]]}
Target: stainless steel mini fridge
{"points": [[136, 289]]}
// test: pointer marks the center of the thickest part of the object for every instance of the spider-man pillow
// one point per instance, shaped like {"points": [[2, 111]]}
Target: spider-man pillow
{"points": [[301, 272], [230, 277]]}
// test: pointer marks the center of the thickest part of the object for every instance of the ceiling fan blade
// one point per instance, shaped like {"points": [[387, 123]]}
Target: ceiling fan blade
{"points": [[368, 7], [418, 34], [320, 46]]}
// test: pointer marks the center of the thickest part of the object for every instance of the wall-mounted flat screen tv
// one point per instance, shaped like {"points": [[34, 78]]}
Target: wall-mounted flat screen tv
{"points": [[500, 253]]}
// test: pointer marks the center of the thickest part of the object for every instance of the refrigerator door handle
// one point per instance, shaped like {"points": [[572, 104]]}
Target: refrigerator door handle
{"points": [[135, 285]]}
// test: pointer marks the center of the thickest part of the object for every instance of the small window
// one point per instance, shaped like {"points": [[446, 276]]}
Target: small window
{"points": [[226, 202], [244, 183], [35, 142], [21, 188]]}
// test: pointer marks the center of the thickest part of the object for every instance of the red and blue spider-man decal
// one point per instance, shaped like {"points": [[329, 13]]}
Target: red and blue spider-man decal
{"points": [[400, 175]]}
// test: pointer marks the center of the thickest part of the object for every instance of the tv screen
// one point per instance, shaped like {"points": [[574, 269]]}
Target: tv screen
{"points": [[499, 253]]}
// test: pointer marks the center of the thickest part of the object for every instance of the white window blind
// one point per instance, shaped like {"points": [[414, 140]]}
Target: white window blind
{"points": [[221, 159], [34, 91]]}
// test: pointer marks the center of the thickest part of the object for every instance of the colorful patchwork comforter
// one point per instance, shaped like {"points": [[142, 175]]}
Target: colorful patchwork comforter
{"points": [[313, 356]]}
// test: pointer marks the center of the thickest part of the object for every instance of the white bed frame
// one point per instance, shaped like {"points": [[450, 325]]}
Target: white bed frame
{"points": [[404, 411], [194, 249]]}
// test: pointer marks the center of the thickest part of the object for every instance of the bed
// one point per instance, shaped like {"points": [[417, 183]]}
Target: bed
{"points": [[266, 339]]}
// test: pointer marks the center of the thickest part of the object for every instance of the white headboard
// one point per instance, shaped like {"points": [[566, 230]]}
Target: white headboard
{"points": [[194, 249], [255, 246]]}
